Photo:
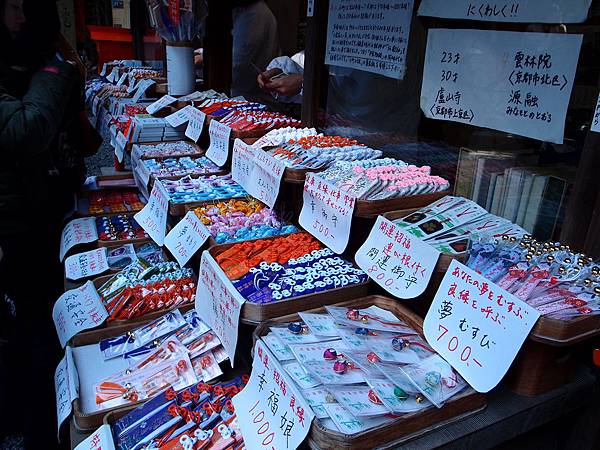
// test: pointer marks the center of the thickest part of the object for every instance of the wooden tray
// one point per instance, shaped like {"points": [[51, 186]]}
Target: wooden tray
{"points": [[200, 150], [373, 208], [253, 314], [298, 175], [463, 404], [121, 181], [236, 134], [83, 201]]}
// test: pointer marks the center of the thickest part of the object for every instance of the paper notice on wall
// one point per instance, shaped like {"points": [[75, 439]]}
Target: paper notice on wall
{"points": [[369, 35], [86, 264], [186, 238], [78, 231], [523, 11], [508, 81], [153, 217]]}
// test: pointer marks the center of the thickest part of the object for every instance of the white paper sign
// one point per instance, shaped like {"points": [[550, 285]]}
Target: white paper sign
{"points": [[153, 217], [195, 124], [528, 11], [86, 264], [476, 326], [141, 89], [132, 84], [77, 310], [509, 81], [142, 171], [218, 151], [271, 411], [101, 439], [369, 35], [66, 386], [122, 79], [327, 212], [179, 117], [186, 238], [103, 71], [161, 103], [219, 303], [257, 172], [596, 120], [120, 144], [78, 231], [113, 75], [399, 262]]}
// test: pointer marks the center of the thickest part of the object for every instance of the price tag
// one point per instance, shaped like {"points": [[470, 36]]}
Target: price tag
{"points": [[141, 89], [596, 120], [219, 303], [476, 326], [399, 262], [103, 71], [113, 75], [186, 238], [122, 79], [271, 411], [66, 386], [78, 231], [195, 124], [132, 85], [327, 212], [218, 151], [153, 217], [120, 144], [180, 117], [161, 103], [142, 172], [86, 264], [266, 178], [101, 439], [77, 310], [112, 132], [242, 163]]}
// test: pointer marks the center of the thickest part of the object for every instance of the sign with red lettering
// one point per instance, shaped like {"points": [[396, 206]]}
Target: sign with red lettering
{"points": [[78, 231], [327, 212], [101, 439], [153, 218], [120, 144], [186, 238], [86, 264], [476, 326], [399, 262], [219, 303], [218, 151], [271, 411]]}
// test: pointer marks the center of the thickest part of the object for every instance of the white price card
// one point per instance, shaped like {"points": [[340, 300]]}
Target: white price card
{"points": [[66, 386], [596, 120], [86, 264], [78, 231], [369, 35], [120, 144], [186, 238], [153, 217], [95, 105], [242, 163], [476, 326], [179, 117], [122, 79], [218, 151], [509, 81], [399, 262], [271, 410], [77, 310], [523, 11], [141, 88], [327, 212], [113, 75], [161, 103], [195, 124], [103, 71], [101, 439], [132, 84], [219, 303]]}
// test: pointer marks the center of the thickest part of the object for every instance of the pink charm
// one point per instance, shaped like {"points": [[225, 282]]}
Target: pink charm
{"points": [[330, 354], [340, 367]]}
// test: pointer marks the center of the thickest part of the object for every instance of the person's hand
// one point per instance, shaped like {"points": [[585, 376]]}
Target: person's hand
{"points": [[288, 86], [265, 77]]}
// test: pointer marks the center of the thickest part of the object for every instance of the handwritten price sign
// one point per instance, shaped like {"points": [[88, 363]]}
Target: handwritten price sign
{"points": [[100, 440], [153, 218], [66, 386], [399, 262], [120, 144], [161, 103], [327, 212], [242, 163], [218, 151], [271, 411], [180, 117], [195, 124], [219, 303], [186, 238], [141, 89], [78, 231], [476, 326], [86, 264]]}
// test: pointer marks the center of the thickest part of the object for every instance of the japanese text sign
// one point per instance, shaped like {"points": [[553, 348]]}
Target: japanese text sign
{"points": [[399, 262], [219, 303], [86, 264], [476, 326], [327, 212], [122, 79], [186, 238], [161, 103], [195, 124], [78, 231], [141, 89], [509, 81], [66, 386], [120, 144], [218, 151], [77, 310], [153, 217], [101, 439], [525, 11], [369, 35], [271, 411], [257, 172], [596, 120], [180, 117]]}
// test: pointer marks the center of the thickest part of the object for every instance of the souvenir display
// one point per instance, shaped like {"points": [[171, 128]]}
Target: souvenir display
{"points": [[202, 96], [221, 108], [205, 188], [113, 202], [167, 150], [179, 167], [146, 128], [240, 220], [119, 227], [120, 257], [282, 135]]}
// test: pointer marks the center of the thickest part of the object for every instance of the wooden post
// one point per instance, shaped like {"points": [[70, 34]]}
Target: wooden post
{"points": [[218, 42]]}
